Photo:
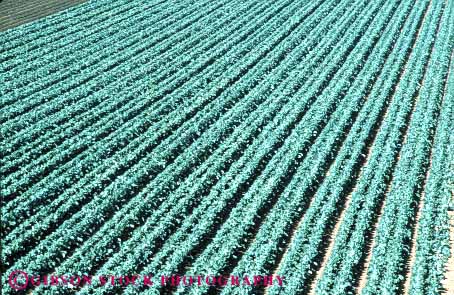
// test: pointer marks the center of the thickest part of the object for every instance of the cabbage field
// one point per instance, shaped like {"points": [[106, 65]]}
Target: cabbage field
{"points": [[287, 146]]}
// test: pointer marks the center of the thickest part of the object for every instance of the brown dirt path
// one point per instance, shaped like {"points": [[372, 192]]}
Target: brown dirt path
{"points": [[448, 282]]}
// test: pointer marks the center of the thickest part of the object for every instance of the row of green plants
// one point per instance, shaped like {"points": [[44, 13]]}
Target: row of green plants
{"points": [[433, 245], [179, 205], [233, 233], [394, 231], [221, 125], [350, 243], [56, 82], [143, 115], [236, 133], [205, 114], [185, 197], [53, 25], [289, 209], [92, 116], [69, 36], [134, 151]]}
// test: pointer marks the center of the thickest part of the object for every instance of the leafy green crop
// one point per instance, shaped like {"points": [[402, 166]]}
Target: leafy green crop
{"points": [[294, 138]]}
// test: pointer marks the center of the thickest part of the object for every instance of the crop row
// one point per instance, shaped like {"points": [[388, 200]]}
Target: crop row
{"points": [[174, 119], [198, 101], [252, 206], [433, 235], [107, 110], [394, 231], [59, 80], [349, 246], [340, 174], [73, 35], [230, 137], [187, 201], [194, 130], [55, 29]]}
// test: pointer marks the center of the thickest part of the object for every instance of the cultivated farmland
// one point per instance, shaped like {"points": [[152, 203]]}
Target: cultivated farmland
{"points": [[310, 140]]}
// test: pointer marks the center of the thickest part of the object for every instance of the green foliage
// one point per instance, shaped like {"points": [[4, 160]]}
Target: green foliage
{"points": [[212, 137]]}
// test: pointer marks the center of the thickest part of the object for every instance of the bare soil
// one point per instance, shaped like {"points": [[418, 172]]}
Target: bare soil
{"points": [[448, 283]]}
